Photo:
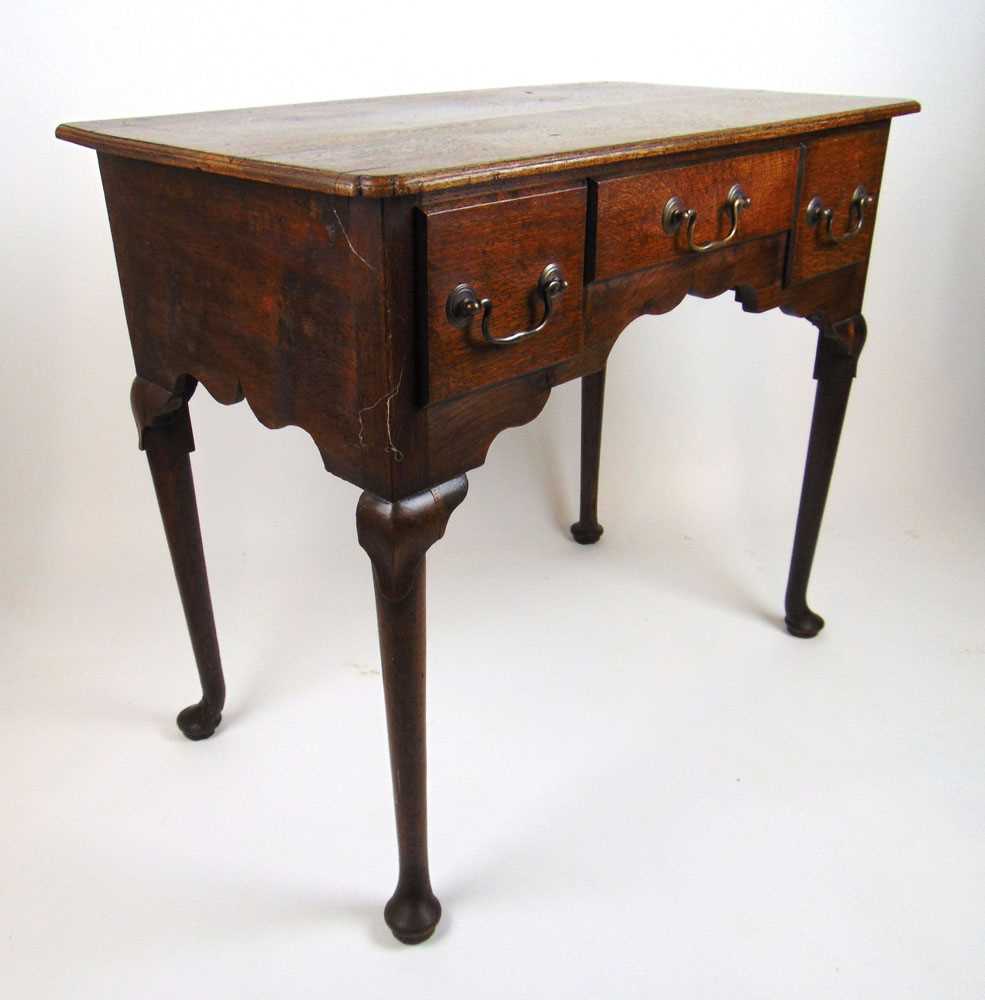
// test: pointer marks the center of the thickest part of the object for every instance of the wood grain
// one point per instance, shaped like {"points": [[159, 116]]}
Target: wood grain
{"points": [[396, 536], [260, 292], [630, 233], [833, 167], [501, 248], [388, 146], [328, 311]]}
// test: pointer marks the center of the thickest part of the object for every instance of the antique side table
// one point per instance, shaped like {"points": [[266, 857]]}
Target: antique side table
{"points": [[406, 277]]}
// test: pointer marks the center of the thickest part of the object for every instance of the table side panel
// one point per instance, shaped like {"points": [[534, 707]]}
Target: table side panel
{"points": [[254, 290]]}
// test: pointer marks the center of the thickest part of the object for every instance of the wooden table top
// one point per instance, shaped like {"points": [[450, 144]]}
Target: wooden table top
{"points": [[387, 146]]}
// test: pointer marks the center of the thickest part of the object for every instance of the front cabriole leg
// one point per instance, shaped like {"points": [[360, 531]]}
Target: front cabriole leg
{"points": [[838, 348], [165, 434], [396, 535]]}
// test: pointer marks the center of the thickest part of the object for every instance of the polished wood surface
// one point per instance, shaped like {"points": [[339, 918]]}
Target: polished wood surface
{"points": [[587, 530], [629, 227], [329, 311], [396, 536], [259, 292], [833, 167], [425, 142], [838, 351], [164, 432], [500, 247]]}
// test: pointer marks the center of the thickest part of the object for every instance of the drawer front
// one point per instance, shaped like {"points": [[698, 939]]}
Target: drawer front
{"points": [[514, 256], [632, 231], [834, 170]]}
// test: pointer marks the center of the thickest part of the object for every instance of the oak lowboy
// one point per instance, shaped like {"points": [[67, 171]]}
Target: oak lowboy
{"points": [[406, 277]]}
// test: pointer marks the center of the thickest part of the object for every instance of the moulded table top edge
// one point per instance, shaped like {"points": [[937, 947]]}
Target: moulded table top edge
{"points": [[384, 147]]}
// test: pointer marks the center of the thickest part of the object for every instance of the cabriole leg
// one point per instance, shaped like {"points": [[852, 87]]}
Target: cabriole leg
{"points": [[587, 529], [396, 537], [838, 349], [165, 434]]}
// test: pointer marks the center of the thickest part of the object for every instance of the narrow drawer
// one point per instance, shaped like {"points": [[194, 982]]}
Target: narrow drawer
{"points": [[494, 272], [639, 225], [837, 208]]}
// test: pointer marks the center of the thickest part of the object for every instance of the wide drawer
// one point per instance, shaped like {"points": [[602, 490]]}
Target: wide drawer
{"points": [[493, 272], [668, 214], [837, 207]]}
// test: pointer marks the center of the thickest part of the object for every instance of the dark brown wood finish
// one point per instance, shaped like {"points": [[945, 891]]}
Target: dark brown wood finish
{"points": [[396, 537], [258, 292], [164, 432], [833, 168], [629, 230], [387, 146], [301, 258], [838, 348], [587, 530], [500, 248]]}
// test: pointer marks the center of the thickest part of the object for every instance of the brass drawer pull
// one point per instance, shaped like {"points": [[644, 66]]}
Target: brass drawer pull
{"points": [[816, 212], [463, 304], [675, 214]]}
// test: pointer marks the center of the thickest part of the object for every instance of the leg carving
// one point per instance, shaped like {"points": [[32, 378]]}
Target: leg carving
{"points": [[587, 529], [838, 350], [165, 434], [396, 537]]}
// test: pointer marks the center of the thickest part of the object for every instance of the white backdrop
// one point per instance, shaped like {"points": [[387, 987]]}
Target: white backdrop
{"points": [[639, 783]]}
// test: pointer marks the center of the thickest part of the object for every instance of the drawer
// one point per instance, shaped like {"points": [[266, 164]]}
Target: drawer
{"points": [[635, 218], [835, 169], [493, 272]]}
